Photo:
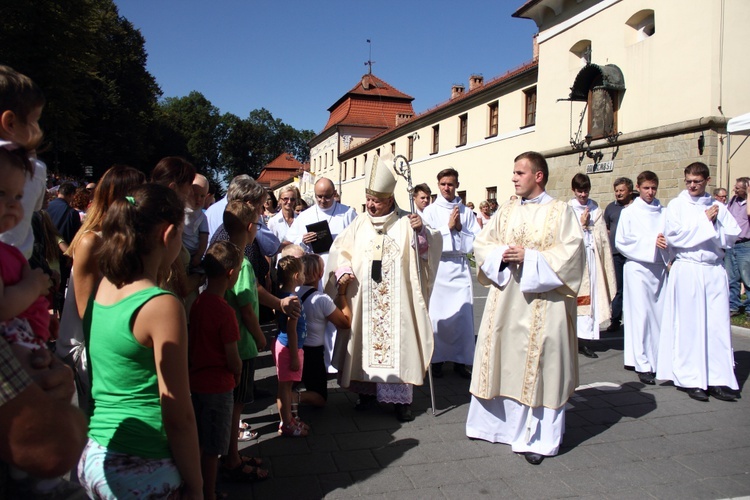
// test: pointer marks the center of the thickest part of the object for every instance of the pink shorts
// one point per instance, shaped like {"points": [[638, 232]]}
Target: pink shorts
{"points": [[282, 357]]}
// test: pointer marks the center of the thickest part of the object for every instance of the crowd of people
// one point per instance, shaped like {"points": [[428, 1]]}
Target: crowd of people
{"points": [[169, 298]]}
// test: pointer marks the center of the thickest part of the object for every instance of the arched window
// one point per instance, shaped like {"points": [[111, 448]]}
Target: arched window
{"points": [[580, 54], [642, 25]]}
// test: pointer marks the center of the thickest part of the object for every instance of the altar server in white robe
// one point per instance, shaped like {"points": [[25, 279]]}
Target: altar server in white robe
{"points": [[599, 283], [531, 254], [452, 302], [391, 340], [338, 216], [695, 342], [640, 238]]}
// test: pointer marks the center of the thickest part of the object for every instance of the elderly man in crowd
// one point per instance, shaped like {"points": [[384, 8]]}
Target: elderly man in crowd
{"points": [[623, 197], [720, 194], [391, 338]]}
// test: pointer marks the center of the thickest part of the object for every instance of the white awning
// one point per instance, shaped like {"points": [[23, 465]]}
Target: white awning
{"points": [[739, 125]]}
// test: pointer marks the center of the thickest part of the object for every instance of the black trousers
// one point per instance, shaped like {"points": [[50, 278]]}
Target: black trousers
{"points": [[619, 260]]}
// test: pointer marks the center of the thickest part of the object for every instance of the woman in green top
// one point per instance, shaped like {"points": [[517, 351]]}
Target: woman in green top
{"points": [[143, 440]]}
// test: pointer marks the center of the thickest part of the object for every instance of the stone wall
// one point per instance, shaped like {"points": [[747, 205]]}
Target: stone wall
{"points": [[666, 156]]}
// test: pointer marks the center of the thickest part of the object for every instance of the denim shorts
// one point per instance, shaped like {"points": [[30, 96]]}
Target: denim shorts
{"points": [[213, 413], [110, 475]]}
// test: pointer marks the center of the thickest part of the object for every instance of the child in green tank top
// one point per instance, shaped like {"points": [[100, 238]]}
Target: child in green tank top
{"points": [[142, 438]]}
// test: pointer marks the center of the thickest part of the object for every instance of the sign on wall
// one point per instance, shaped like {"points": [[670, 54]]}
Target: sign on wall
{"points": [[597, 168]]}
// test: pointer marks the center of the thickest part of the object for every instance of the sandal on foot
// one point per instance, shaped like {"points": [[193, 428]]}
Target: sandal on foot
{"points": [[302, 424], [244, 473], [248, 436], [292, 430]]}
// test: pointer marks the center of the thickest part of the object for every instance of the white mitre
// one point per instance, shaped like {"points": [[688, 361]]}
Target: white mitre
{"points": [[380, 180]]}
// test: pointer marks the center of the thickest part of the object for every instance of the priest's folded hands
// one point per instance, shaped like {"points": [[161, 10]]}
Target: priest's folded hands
{"points": [[514, 254]]}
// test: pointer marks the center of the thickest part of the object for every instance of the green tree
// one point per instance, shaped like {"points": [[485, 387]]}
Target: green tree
{"points": [[90, 63], [124, 96], [191, 126], [251, 144]]}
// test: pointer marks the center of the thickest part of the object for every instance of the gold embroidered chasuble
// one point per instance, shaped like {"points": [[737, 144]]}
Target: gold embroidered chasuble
{"points": [[391, 339], [527, 346]]}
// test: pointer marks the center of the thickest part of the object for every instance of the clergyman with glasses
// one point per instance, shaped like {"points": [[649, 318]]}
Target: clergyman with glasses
{"points": [[695, 341], [327, 218]]}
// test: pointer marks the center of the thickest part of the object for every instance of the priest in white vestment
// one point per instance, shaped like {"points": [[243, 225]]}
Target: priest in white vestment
{"points": [[640, 238], [338, 216], [452, 303], [695, 342], [599, 284], [531, 254], [391, 340]]}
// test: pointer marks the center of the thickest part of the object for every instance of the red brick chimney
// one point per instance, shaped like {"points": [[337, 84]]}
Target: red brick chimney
{"points": [[475, 81]]}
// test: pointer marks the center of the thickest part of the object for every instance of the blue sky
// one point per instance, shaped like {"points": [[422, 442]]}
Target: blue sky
{"points": [[297, 57]]}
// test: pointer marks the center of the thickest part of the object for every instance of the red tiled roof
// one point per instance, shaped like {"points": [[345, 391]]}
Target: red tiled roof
{"points": [[379, 114], [280, 169], [375, 87], [371, 103], [284, 160]]}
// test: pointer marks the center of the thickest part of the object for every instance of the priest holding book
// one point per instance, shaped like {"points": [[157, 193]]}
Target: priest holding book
{"points": [[315, 229]]}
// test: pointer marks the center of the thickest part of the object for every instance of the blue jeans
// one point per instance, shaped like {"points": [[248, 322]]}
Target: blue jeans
{"points": [[737, 264]]}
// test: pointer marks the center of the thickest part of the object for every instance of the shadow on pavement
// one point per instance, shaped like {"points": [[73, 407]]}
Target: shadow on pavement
{"points": [[596, 408]]}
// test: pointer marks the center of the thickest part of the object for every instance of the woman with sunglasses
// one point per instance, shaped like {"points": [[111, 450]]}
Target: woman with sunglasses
{"points": [[279, 224]]}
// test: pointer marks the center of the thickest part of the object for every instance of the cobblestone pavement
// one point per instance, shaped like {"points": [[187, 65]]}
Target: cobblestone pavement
{"points": [[623, 440]]}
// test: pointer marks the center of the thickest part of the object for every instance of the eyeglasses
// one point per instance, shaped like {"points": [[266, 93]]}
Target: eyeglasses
{"points": [[691, 181], [324, 196], [287, 199]]}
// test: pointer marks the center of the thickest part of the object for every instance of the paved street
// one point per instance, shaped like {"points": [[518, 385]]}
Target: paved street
{"points": [[623, 440]]}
